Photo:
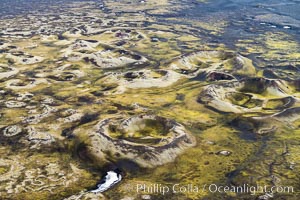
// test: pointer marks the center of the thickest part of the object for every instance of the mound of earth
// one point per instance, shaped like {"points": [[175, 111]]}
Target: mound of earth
{"points": [[145, 139], [248, 95], [213, 61]]}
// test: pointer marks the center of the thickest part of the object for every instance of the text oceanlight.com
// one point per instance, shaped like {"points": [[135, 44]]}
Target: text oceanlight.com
{"points": [[211, 188]]}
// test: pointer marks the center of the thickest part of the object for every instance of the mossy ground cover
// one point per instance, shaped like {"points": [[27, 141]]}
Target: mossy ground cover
{"points": [[253, 158]]}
